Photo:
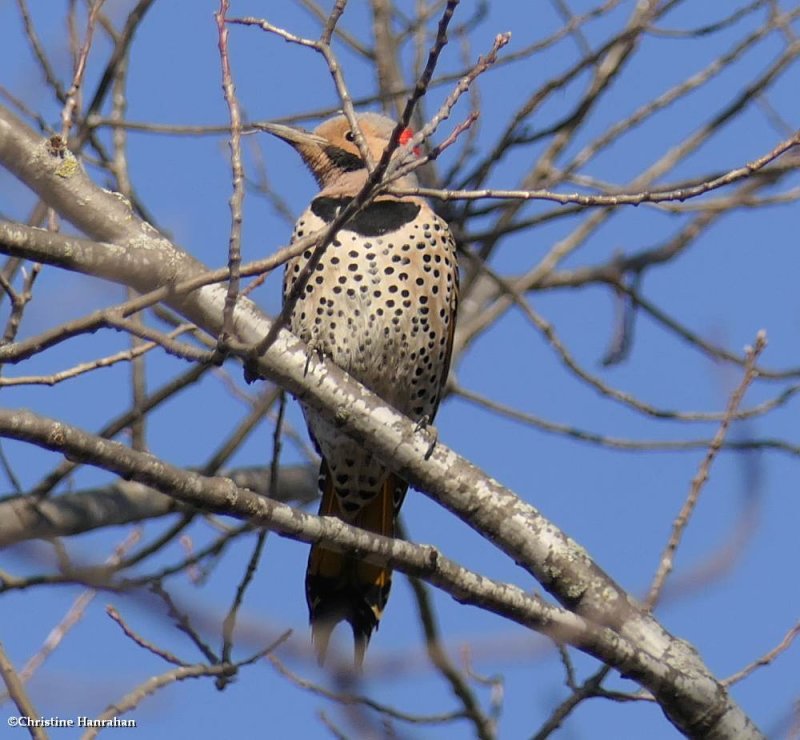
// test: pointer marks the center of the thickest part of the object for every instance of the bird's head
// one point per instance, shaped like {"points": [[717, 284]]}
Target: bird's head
{"points": [[330, 150]]}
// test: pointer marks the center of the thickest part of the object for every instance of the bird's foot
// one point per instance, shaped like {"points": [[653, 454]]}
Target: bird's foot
{"points": [[314, 347], [425, 425], [251, 371]]}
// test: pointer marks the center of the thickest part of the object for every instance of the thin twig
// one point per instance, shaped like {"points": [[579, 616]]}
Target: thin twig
{"points": [[682, 520], [484, 727], [351, 699], [765, 659], [141, 641], [80, 68], [19, 696], [237, 174]]}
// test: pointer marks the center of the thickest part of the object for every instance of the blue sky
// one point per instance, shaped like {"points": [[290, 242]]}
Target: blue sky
{"points": [[739, 278]]}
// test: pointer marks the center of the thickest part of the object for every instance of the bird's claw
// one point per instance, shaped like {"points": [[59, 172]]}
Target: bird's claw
{"points": [[251, 371], [424, 425], [314, 348]]}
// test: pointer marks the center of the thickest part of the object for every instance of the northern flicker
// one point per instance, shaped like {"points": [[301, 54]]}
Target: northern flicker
{"points": [[381, 304]]}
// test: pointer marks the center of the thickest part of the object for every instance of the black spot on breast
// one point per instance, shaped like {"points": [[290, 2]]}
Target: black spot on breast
{"points": [[377, 219]]}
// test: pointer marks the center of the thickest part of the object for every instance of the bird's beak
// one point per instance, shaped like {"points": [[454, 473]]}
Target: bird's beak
{"points": [[317, 152], [294, 136]]}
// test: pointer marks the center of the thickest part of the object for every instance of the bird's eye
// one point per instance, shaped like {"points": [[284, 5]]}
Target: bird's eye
{"points": [[350, 136]]}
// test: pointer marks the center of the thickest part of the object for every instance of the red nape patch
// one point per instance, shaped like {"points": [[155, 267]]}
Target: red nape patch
{"points": [[406, 136]]}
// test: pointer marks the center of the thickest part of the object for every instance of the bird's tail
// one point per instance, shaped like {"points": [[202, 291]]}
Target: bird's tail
{"points": [[342, 588]]}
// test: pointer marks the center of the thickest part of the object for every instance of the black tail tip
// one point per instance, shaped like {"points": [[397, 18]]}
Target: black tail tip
{"points": [[362, 621]]}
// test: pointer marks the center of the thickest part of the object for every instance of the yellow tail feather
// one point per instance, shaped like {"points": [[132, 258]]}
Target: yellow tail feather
{"points": [[341, 588]]}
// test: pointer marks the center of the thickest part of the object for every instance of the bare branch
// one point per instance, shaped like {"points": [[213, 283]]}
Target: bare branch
{"points": [[682, 520], [18, 695]]}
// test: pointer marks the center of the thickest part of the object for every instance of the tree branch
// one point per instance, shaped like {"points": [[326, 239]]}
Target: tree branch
{"points": [[24, 518]]}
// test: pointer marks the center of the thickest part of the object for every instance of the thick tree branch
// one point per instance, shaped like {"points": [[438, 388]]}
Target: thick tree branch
{"points": [[223, 496], [25, 518]]}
